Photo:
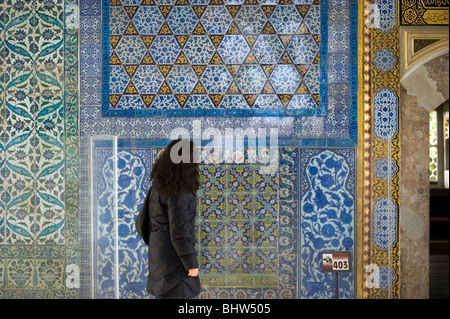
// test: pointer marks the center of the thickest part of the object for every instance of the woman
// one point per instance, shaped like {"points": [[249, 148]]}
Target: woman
{"points": [[166, 222]]}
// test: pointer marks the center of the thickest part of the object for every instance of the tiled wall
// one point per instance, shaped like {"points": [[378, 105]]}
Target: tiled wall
{"points": [[228, 66], [58, 178]]}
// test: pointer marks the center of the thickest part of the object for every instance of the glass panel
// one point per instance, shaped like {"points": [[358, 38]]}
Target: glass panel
{"points": [[446, 147], [119, 182], [134, 161]]}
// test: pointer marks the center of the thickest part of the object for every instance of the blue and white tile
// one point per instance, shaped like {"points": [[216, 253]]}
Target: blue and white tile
{"points": [[268, 49], [302, 102], [216, 79], [251, 19], [235, 101], [384, 60], [182, 20], [385, 114], [384, 223], [216, 20], [90, 31], [164, 49], [90, 58], [338, 68], [199, 49], [312, 79], [199, 101], [148, 20], [90, 8], [338, 37], [131, 49], [285, 79], [268, 101], [285, 19], [90, 90], [328, 217], [250, 79], [181, 79], [233, 49], [118, 20], [303, 49], [147, 79], [312, 19]]}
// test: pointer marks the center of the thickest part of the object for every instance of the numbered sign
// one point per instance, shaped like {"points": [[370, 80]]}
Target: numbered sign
{"points": [[336, 261]]}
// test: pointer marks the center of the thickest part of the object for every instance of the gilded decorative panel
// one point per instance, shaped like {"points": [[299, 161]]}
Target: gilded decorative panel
{"points": [[424, 12], [380, 264]]}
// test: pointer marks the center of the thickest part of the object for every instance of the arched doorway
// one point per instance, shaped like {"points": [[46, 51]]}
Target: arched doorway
{"points": [[425, 84]]}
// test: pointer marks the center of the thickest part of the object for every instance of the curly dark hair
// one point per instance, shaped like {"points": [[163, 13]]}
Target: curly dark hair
{"points": [[170, 177]]}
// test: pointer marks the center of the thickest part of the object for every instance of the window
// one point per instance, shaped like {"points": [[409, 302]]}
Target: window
{"points": [[439, 147]]}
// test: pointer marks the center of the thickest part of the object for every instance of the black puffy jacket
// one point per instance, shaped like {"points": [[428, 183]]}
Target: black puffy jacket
{"points": [[167, 225]]}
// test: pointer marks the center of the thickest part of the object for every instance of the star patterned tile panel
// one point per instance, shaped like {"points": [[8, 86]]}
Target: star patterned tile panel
{"points": [[208, 57]]}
